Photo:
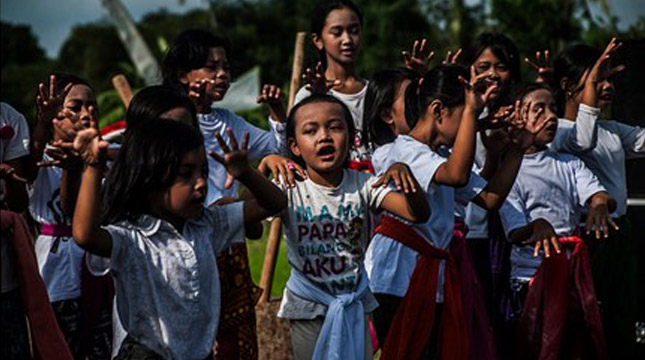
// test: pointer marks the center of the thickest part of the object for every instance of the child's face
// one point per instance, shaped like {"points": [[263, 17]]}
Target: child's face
{"points": [[543, 100], [397, 113], [341, 36], [446, 122], [180, 114], [216, 68], [321, 136], [78, 101], [184, 199], [604, 89], [501, 73]]}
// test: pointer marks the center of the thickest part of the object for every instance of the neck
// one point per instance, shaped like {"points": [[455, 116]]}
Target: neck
{"points": [[339, 72], [571, 110], [328, 179], [177, 222], [535, 148], [422, 133]]}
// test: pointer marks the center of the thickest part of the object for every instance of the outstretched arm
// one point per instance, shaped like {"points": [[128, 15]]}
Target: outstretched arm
{"points": [[412, 204]]}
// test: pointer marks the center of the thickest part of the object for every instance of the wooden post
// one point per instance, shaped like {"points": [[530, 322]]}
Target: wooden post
{"points": [[122, 86], [275, 232]]}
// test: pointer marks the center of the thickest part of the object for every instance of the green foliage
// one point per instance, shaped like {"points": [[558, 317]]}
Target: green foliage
{"points": [[19, 45]]}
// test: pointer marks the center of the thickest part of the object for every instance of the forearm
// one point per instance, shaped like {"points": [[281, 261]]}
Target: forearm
{"points": [[503, 179], [267, 195], [86, 214], [460, 162], [418, 205], [490, 165]]}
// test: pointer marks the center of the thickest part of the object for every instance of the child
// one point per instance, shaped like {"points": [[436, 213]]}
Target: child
{"points": [[327, 227], [160, 240], [336, 33], [390, 263], [69, 104], [544, 205], [198, 62], [583, 75]]}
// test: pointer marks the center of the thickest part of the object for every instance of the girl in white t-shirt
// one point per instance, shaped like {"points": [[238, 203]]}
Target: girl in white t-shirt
{"points": [[150, 222], [65, 105], [440, 116], [336, 32], [583, 76], [327, 225]]}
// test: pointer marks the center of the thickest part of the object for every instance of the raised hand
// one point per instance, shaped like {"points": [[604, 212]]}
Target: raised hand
{"points": [[599, 72], [235, 159], [49, 103], [316, 81], [402, 177], [282, 168], [272, 96], [479, 89], [198, 93], [599, 215], [525, 125], [452, 58], [541, 66], [543, 236], [89, 145], [418, 61]]}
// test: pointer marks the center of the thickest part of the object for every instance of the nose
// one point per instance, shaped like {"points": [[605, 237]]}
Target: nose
{"points": [[324, 135], [85, 115], [200, 185], [346, 38], [605, 85]]}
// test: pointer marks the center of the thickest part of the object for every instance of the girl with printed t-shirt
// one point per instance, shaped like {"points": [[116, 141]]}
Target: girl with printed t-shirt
{"points": [[327, 224]]}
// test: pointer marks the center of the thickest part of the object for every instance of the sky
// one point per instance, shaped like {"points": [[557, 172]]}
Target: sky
{"points": [[53, 20]]}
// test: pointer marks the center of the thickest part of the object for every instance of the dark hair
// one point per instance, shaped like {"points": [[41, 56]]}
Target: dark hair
{"points": [[189, 51], [503, 48], [439, 83], [381, 94], [572, 63], [315, 99], [152, 101], [148, 160], [319, 16], [523, 90]]}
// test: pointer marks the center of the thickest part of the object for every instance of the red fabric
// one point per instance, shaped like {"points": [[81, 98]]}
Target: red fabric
{"points": [[97, 294], [412, 326], [47, 339], [56, 230], [560, 318], [480, 331], [362, 165]]}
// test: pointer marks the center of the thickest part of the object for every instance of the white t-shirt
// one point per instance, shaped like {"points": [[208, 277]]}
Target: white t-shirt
{"points": [[16, 144], [261, 143], [552, 186], [59, 258], [389, 263], [603, 146], [167, 284], [356, 105], [327, 230]]}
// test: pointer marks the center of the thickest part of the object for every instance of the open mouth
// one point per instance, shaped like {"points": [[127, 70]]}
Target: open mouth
{"points": [[327, 152], [605, 97]]}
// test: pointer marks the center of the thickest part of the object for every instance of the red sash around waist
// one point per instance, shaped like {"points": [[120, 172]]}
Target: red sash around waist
{"points": [[560, 318], [413, 323], [56, 230]]}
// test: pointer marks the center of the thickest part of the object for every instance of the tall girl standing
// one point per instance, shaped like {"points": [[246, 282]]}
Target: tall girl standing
{"points": [[336, 32]]}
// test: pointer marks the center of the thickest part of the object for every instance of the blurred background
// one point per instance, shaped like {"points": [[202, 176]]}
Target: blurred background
{"points": [[97, 39]]}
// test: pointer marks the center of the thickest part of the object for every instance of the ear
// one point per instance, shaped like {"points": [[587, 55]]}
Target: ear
{"points": [[565, 84], [317, 40], [183, 78], [293, 146], [435, 109], [386, 116]]}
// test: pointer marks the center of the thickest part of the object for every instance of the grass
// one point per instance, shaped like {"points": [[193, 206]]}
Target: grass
{"points": [[256, 250]]}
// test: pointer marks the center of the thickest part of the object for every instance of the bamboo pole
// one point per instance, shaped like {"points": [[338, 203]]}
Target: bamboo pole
{"points": [[122, 86], [275, 232]]}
